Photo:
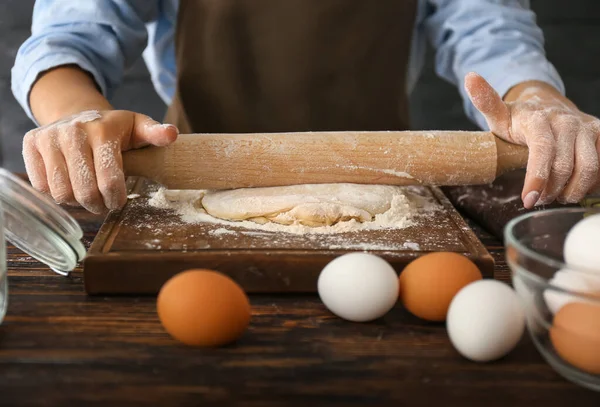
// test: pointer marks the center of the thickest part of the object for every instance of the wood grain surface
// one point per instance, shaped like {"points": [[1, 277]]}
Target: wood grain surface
{"points": [[493, 205], [232, 161], [140, 247], [60, 347]]}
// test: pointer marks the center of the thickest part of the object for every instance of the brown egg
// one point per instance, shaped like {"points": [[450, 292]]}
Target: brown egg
{"points": [[203, 308], [575, 334], [429, 283]]}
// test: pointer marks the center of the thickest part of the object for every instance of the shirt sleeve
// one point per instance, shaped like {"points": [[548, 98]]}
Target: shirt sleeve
{"points": [[498, 39], [102, 37]]}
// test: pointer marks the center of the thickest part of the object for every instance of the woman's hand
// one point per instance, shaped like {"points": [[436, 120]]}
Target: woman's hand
{"points": [[77, 160], [563, 142]]}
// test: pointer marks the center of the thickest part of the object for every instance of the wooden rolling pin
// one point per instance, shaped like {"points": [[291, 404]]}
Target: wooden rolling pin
{"points": [[227, 161]]}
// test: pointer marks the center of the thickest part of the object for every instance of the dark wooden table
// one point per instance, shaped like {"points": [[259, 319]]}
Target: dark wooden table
{"points": [[59, 347]]}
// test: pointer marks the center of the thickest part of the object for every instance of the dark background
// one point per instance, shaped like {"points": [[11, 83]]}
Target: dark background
{"points": [[571, 28]]}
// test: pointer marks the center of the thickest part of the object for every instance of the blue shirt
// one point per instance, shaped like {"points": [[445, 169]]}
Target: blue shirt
{"points": [[498, 39]]}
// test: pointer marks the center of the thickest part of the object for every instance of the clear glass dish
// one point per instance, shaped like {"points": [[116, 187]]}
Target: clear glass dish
{"points": [[39, 227], [534, 245], [3, 278]]}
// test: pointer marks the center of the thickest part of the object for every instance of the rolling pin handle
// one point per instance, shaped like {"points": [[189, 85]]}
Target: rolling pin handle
{"points": [[144, 162], [510, 156]]}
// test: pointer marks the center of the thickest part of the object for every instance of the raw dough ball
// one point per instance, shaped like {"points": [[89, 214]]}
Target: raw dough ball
{"points": [[358, 287], [581, 245], [485, 320], [307, 204]]}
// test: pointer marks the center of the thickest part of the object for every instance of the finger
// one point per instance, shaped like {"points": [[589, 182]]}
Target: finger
{"points": [[147, 131], [489, 103], [79, 160], [56, 169], [34, 163], [565, 129], [542, 150], [595, 128], [596, 188], [109, 172], [585, 172]]}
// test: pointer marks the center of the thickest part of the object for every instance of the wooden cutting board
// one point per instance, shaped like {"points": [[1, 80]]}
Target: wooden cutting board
{"points": [[140, 247], [493, 205]]}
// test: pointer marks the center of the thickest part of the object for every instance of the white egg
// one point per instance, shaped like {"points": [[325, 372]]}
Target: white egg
{"points": [[572, 281], [485, 320], [582, 247], [358, 287]]}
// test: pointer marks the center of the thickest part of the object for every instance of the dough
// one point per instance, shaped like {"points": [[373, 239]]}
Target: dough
{"points": [[307, 204]]}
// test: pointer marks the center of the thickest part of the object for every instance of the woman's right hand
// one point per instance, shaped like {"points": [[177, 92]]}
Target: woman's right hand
{"points": [[77, 160]]}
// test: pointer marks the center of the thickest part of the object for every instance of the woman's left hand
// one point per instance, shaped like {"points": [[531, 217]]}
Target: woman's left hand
{"points": [[563, 142]]}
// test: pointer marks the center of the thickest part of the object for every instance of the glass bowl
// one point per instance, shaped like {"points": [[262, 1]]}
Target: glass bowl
{"points": [[3, 278], [561, 302]]}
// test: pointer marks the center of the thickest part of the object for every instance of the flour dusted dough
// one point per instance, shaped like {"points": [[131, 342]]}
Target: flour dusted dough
{"points": [[307, 204]]}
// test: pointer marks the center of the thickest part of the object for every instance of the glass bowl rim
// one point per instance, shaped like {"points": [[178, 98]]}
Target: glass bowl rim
{"points": [[509, 238]]}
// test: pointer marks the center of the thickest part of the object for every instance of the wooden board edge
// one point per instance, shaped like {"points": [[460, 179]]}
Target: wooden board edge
{"points": [[260, 274], [107, 229], [478, 253]]}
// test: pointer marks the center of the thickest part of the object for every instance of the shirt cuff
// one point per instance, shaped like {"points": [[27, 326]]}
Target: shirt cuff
{"points": [[504, 78], [23, 80]]}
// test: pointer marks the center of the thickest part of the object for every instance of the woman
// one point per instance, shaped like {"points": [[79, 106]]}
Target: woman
{"points": [[294, 65]]}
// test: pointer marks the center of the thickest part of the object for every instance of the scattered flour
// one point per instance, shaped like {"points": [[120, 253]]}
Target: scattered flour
{"points": [[78, 118], [153, 125], [187, 204], [399, 174], [412, 246], [502, 201], [222, 231], [86, 116], [374, 246]]}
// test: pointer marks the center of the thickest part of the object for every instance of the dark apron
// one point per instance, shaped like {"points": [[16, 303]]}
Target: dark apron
{"points": [[249, 66]]}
